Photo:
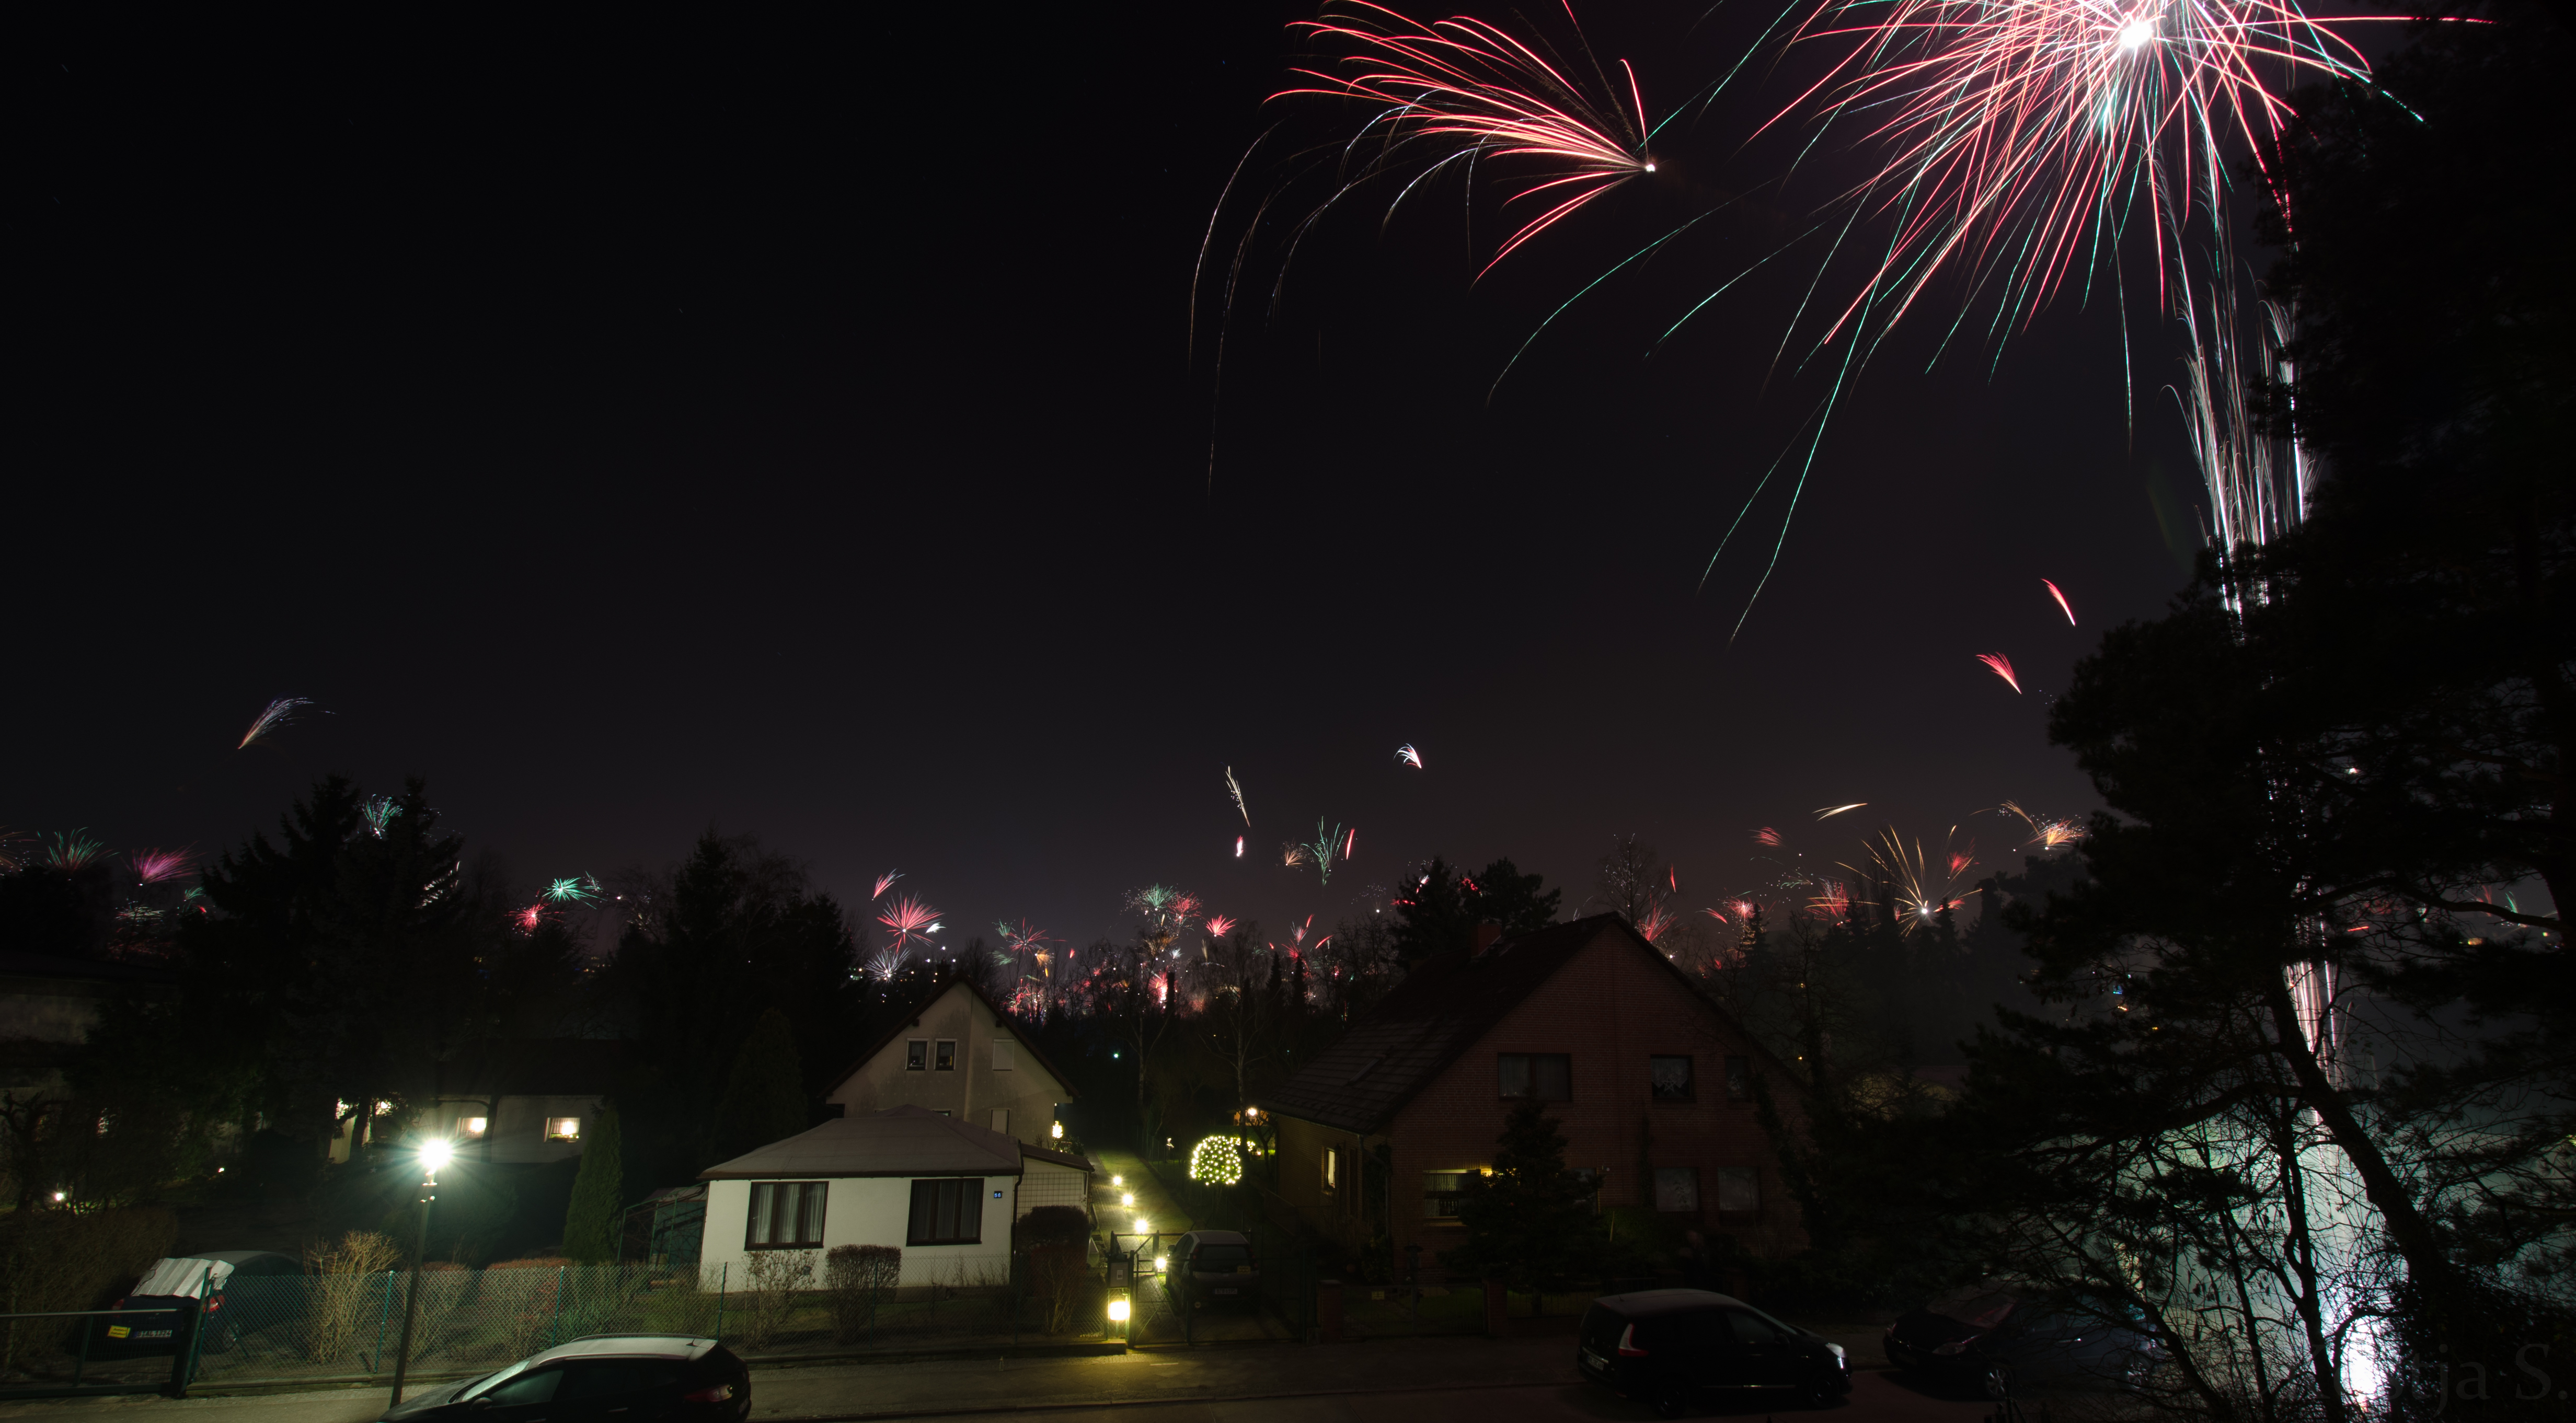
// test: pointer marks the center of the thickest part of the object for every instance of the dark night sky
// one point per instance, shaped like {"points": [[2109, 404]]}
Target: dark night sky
{"points": [[663, 424]]}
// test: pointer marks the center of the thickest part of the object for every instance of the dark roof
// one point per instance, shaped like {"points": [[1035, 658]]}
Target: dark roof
{"points": [[1440, 1010], [900, 1141], [532, 1067], [921, 1005]]}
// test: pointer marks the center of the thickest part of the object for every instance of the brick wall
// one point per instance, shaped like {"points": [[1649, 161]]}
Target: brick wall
{"points": [[1610, 1008]]}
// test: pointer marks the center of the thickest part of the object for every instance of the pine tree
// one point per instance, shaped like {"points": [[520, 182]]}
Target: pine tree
{"points": [[592, 1226], [764, 1098], [1529, 1219]]}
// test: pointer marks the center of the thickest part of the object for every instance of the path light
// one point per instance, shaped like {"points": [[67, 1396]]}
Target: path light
{"points": [[1127, 1199], [1118, 1310], [1118, 1180], [1144, 1226], [1162, 1263]]}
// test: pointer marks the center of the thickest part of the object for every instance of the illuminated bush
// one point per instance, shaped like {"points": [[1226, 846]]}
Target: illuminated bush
{"points": [[1216, 1161]]}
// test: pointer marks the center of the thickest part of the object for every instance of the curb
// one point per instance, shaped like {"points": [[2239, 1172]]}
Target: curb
{"points": [[1074, 1406]]}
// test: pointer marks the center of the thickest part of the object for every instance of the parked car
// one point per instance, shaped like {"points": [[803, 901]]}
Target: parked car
{"points": [[1999, 1340], [631, 1378], [1213, 1267], [1679, 1349], [176, 1283]]}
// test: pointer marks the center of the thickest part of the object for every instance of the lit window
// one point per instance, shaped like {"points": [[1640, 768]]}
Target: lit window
{"points": [[1669, 1078], [916, 1055], [947, 1055], [472, 1126], [1440, 1194], [1332, 1168], [563, 1128]]}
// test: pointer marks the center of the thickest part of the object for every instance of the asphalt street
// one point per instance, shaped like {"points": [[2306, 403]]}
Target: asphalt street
{"points": [[1420, 1381]]}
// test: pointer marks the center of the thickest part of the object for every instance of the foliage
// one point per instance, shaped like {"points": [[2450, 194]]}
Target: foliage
{"points": [[1441, 912], [771, 1280], [594, 1226], [348, 1292], [1529, 1220], [855, 1279], [764, 1096], [66, 1260]]}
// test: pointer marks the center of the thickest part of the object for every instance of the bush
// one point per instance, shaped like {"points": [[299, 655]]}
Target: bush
{"points": [[349, 1293], [855, 1278], [1061, 1279], [59, 1260], [1051, 1225], [770, 1283]]}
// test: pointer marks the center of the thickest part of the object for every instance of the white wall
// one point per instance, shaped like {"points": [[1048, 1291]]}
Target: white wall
{"points": [[868, 1210]]}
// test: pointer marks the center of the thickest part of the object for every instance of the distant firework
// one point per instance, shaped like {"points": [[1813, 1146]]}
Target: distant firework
{"points": [[1767, 836], [275, 717], [159, 866], [2063, 605], [1409, 756], [1830, 812], [908, 921], [1234, 788], [2001, 666], [885, 882]]}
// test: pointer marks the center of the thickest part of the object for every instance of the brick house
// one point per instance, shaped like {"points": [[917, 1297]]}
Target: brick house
{"points": [[1649, 1081]]}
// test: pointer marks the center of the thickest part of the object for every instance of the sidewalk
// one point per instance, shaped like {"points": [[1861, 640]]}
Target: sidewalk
{"points": [[1164, 1218]]}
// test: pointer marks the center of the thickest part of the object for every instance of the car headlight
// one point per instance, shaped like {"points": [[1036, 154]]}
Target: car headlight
{"points": [[1840, 1358]]}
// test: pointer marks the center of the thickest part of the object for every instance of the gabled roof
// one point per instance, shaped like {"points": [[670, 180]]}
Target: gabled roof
{"points": [[903, 1026], [903, 1141], [1441, 1010]]}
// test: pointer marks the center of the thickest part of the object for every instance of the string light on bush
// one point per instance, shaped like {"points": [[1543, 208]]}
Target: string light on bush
{"points": [[1216, 1161]]}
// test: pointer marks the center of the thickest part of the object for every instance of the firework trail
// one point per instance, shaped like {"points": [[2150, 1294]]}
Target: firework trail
{"points": [[2001, 666], [1322, 851], [1238, 847], [380, 811], [885, 882], [1917, 897], [1297, 945], [1463, 90], [159, 866], [908, 921], [2063, 605], [1349, 841], [277, 715], [1832, 897], [1657, 920], [1768, 836], [1234, 788], [1409, 756], [2045, 832], [1830, 812], [526, 921]]}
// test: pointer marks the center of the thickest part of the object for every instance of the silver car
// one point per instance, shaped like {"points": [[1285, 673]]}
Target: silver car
{"points": [[1214, 1267]]}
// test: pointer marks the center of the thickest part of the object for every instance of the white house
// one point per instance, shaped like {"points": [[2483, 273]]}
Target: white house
{"points": [[946, 1191], [958, 1055]]}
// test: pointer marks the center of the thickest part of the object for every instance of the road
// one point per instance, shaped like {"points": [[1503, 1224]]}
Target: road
{"points": [[1421, 1381]]}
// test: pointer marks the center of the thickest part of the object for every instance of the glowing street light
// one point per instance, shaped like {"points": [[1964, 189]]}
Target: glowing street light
{"points": [[434, 1153]]}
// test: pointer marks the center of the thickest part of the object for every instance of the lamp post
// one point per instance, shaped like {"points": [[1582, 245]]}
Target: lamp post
{"points": [[433, 1154]]}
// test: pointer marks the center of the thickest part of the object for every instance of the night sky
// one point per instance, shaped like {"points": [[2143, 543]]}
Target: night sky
{"points": [[654, 424]]}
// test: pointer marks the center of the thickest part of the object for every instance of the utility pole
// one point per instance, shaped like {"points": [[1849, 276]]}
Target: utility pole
{"points": [[433, 1155]]}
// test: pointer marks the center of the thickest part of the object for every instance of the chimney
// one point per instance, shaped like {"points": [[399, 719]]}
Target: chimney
{"points": [[1486, 934]]}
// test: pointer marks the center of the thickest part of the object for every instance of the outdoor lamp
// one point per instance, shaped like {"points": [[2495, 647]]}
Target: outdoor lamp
{"points": [[1058, 1131], [1144, 1226], [435, 1153], [1162, 1263], [1118, 1310], [1127, 1198], [1118, 1180]]}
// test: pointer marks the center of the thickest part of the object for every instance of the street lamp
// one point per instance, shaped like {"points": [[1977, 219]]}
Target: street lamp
{"points": [[434, 1153]]}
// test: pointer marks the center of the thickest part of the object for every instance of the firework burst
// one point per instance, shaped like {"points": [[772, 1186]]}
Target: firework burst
{"points": [[1766, 836], [1219, 925], [885, 882], [2062, 605], [275, 717], [908, 921], [161, 866], [2001, 666], [1409, 756], [2046, 832], [1917, 895], [580, 889], [380, 811]]}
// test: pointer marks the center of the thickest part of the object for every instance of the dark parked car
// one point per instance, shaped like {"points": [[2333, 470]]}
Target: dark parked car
{"points": [[176, 1283], [1214, 1267], [1999, 1340], [628, 1378], [1677, 1349]]}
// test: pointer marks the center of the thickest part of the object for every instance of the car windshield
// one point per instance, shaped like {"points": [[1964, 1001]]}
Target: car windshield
{"points": [[1982, 1309], [1221, 1257], [478, 1387]]}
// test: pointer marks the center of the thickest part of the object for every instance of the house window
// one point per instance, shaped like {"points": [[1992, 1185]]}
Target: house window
{"points": [[1006, 1055], [947, 1211], [1739, 1188], [947, 1055], [563, 1128], [473, 1126], [1739, 1079], [1677, 1189], [1547, 1076], [1332, 1168], [916, 1055], [785, 1215], [1440, 1194], [1669, 1078]]}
